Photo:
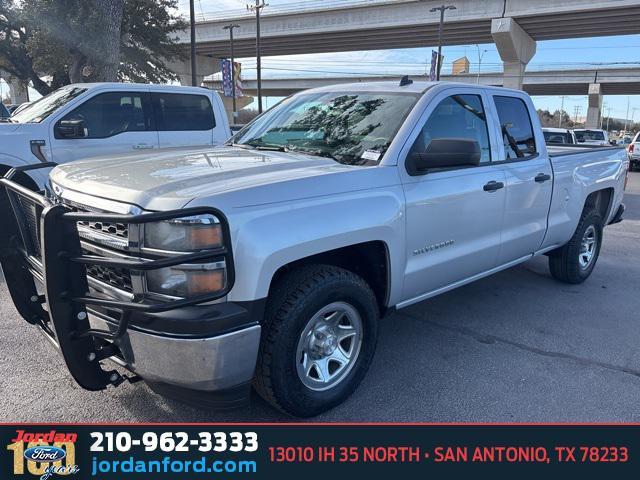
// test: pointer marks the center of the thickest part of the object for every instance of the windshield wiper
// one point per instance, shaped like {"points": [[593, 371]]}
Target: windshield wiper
{"points": [[273, 148]]}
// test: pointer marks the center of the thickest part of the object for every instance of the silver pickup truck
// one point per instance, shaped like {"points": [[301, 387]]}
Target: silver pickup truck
{"points": [[269, 261]]}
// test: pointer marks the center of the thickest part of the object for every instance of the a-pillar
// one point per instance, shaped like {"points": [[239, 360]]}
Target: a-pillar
{"points": [[515, 47], [595, 106], [205, 66]]}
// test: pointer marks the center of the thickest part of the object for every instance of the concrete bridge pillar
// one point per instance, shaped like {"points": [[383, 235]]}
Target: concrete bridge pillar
{"points": [[18, 90], [205, 66], [241, 102], [594, 110], [515, 47]]}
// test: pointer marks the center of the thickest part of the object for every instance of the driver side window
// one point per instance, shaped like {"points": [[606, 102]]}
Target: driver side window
{"points": [[112, 113], [457, 116]]}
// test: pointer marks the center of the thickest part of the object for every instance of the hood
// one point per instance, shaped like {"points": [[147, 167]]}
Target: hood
{"points": [[8, 127], [171, 178]]}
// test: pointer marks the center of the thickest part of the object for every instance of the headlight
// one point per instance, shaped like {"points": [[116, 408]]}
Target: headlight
{"points": [[188, 280], [185, 234]]}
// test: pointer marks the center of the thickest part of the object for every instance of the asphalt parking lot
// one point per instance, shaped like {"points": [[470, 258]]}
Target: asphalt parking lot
{"points": [[517, 346]]}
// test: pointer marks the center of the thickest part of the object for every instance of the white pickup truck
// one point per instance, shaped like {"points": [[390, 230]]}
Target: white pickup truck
{"points": [[92, 119], [269, 261]]}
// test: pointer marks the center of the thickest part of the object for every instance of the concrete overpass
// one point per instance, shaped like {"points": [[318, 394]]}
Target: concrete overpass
{"points": [[612, 81], [592, 82], [514, 25]]}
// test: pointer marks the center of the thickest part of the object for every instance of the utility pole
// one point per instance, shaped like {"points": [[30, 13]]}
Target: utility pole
{"points": [[633, 113], [230, 27], [561, 111], [440, 9], [608, 117], [192, 16], [576, 111], [256, 8], [626, 117], [480, 55], [604, 106]]}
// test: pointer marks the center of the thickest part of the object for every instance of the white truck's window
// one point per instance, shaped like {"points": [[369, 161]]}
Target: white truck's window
{"points": [[181, 112], [517, 132], [352, 128], [112, 113], [45, 106], [590, 135], [457, 116]]}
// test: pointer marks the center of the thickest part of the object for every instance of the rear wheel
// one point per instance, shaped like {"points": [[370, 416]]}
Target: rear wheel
{"points": [[319, 337], [574, 262]]}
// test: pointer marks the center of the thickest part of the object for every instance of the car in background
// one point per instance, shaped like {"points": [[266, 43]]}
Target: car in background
{"points": [[4, 112], [88, 120], [592, 136], [557, 136], [633, 152]]}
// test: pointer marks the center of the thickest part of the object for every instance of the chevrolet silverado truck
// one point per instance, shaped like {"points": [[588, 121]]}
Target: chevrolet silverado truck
{"points": [[269, 261], [94, 119]]}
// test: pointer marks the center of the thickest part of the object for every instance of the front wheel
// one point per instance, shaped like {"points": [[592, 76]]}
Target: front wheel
{"points": [[574, 262], [319, 337]]}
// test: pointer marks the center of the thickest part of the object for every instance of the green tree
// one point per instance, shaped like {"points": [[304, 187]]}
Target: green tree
{"points": [[71, 41]]}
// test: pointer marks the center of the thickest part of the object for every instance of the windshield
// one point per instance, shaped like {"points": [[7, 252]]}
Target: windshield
{"points": [[590, 135], [41, 109], [557, 137], [351, 128]]}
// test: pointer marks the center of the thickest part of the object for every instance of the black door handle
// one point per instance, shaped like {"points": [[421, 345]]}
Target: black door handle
{"points": [[542, 177], [492, 186]]}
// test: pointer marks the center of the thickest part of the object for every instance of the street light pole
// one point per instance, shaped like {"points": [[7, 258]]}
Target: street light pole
{"points": [[230, 27], [192, 16], [440, 9], [479, 62], [256, 8]]}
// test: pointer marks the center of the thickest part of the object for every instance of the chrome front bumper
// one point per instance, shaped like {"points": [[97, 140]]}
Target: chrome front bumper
{"points": [[206, 364]]}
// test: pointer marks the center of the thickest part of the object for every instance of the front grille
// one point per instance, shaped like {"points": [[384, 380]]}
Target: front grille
{"points": [[31, 212], [113, 276], [118, 229]]}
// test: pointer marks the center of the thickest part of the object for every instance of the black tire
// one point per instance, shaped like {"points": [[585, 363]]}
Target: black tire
{"points": [[564, 262], [293, 302]]}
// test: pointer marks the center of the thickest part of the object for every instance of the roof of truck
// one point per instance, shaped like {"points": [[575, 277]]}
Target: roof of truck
{"points": [[135, 86], [417, 86]]}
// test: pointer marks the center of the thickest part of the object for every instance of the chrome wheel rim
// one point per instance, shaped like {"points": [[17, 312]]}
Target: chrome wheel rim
{"points": [[329, 346], [588, 247]]}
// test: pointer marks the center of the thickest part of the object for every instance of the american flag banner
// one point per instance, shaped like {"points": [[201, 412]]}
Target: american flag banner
{"points": [[227, 90]]}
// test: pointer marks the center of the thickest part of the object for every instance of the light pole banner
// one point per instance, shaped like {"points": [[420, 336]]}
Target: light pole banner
{"points": [[434, 63], [225, 65], [227, 89], [237, 72]]}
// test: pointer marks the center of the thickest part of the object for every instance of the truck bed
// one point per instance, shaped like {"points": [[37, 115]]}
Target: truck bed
{"points": [[558, 150]]}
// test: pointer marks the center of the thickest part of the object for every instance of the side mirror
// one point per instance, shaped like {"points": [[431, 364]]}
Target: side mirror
{"points": [[70, 129], [446, 153], [581, 140], [613, 142]]}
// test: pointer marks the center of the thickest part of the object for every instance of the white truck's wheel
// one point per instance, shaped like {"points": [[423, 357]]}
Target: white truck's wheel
{"points": [[319, 336]]}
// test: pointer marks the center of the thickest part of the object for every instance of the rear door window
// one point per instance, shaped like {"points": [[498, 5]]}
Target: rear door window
{"points": [[515, 124], [183, 112]]}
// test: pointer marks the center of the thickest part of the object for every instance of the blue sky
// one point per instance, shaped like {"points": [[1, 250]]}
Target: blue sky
{"points": [[550, 55]]}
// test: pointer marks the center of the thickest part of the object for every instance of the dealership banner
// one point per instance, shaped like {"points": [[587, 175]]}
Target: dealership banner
{"points": [[307, 451]]}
